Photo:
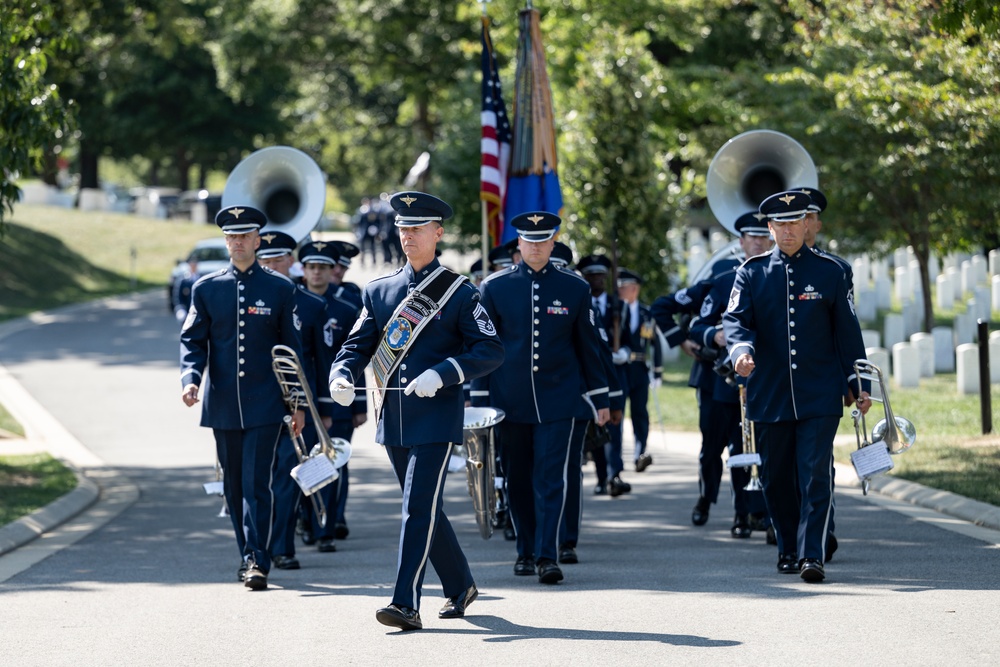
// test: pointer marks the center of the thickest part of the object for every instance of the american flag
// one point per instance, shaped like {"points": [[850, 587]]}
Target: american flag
{"points": [[495, 144]]}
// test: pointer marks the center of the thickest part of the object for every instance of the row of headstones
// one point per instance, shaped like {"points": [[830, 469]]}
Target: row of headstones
{"points": [[928, 353]]}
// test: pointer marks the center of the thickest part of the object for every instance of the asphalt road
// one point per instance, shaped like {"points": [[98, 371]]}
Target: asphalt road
{"points": [[147, 576]]}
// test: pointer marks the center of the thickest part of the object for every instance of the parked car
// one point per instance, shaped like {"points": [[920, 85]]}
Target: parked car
{"points": [[210, 255]]}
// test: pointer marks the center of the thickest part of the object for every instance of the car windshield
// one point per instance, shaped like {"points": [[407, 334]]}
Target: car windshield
{"points": [[210, 255]]}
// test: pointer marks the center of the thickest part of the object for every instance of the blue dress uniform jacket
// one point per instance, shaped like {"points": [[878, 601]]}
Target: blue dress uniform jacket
{"points": [[242, 392], [801, 330], [460, 343], [342, 313], [543, 309]]}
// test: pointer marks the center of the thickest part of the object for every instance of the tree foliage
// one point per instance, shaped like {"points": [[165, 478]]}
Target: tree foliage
{"points": [[32, 113]]}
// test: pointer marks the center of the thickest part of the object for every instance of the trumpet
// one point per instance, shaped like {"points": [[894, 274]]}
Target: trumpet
{"points": [[891, 435], [480, 461], [319, 464]]}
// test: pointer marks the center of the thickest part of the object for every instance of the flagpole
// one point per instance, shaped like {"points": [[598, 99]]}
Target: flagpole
{"points": [[484, 237]]}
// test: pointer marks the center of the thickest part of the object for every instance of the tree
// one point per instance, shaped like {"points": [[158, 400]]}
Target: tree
{"points": [[32, 111]]}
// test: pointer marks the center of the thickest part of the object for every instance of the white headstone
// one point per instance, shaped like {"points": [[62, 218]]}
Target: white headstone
{"points": [[906, 365], [912, 312], [933, 267], [899, 257], [871, 338], [902, 283], [945, 292], [944, 350], [924, 342], [983, 305], [965, 329], [864, 305], [862, 270], [955, 278], [995, 297], [717, 239], [92, 199], [978, 264], [967, 371], [696, 259], [994, 344], [695, 239], [883, 292], [879, 356], [879, 269], [893, 330], [199, 212], [994, 262], [968, 277]]}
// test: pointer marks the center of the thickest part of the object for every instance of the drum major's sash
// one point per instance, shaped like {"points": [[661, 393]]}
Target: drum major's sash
{"points": [[407, 322]]}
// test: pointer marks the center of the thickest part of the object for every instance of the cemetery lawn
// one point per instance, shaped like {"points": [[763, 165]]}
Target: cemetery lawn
{"points": [[8, 425], [30, 481], [56, 257], [950, 453]]}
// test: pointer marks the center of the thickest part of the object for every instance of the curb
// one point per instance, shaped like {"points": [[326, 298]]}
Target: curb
{"points": [[44, 519], [945, 502]]}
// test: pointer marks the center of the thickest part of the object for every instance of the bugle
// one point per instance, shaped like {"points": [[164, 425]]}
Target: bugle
{"points": [[318, 465], [749, 458], [891, 435], [480, 462]]}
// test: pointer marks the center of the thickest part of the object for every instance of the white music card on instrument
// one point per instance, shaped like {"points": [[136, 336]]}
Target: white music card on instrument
{"points": [[314, 473], [213, 488], [871, 460], [743, 460]]}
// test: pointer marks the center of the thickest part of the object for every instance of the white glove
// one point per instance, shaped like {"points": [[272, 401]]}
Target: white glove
{"points": [[426, 384], [342, 391], [621, 356], [655, 383]]}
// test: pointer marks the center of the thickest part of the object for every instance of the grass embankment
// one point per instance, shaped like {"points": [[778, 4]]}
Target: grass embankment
{"points": [[950, 452], [55, 256], [9, 425], [31, 481]]}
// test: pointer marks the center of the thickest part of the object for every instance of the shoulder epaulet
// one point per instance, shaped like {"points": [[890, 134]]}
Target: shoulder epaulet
{"points": [[510, 270], [756, 257], [388, 275], [570, 272], [313, 295], [272, 272], [213, 274]]}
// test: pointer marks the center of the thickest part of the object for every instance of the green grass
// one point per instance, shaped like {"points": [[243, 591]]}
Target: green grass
{"points": [[9, 424], [29, 482], [54, 256], [950, 452]]}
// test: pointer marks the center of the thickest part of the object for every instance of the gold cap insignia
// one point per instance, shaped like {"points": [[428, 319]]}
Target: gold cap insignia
{"points": [[536, 219], [237, 212], [788, 199], [267, 238], [319, 245], [759, 216], [407, 200]]}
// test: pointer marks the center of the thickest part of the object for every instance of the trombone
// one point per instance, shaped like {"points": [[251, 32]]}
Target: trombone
{"points": [[318, 465], [894, 434]]}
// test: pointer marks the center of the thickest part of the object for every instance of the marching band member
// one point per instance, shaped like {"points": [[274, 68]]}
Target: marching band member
{"points": [[424, 331], [276, 254], [543, 315], [791, 330], [237, 315]]}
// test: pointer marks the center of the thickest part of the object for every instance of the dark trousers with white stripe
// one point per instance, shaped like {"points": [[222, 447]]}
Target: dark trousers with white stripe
{"points": [[426, 533], [536, 459], [248, 459], [797, 475], [569, 529]]}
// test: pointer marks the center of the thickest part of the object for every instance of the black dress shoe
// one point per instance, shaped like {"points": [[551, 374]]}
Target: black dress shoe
{"points": [[643, 462], [509, 534], [326, 546], [255, 579], [771, 538], [617, 487], [699, 516], [788, 563], [286, 562], [396, 616], [308, 538], [741, 527], [601, 489], [524, 566], [811, 570], [567, 555], [242, 571], [831, 546], [549, 572], [455, 606], [341, 531]]}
